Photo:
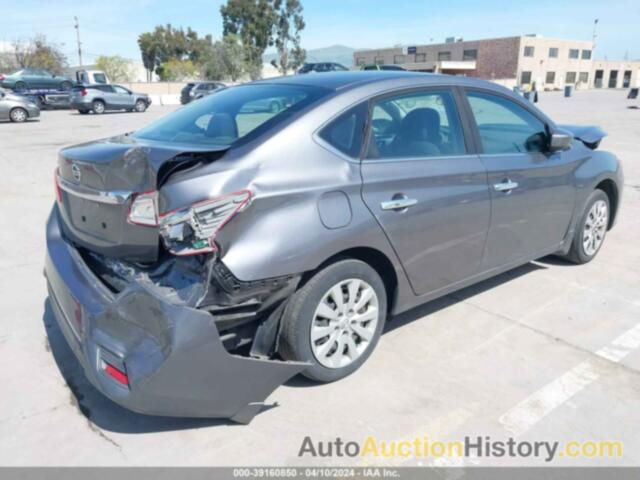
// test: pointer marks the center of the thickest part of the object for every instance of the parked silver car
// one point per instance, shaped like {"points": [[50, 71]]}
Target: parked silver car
{"points": [[101, 98], [198, 263], [17, 108]]}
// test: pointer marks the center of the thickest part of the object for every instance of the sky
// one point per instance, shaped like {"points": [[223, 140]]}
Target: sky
{"points": [[112, 26]]}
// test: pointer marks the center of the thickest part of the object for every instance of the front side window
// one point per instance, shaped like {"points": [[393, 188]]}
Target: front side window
{"points": [[529, 51], [99, 78], [423, 124], [120, 89], [346, 132], [227, 117], [506, 127]]}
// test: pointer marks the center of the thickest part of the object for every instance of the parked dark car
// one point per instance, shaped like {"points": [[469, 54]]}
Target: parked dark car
{"points": [[195, 90], [322, 67], [198, 263], [17, 108], [34, 78], [391, 68], [101, 98]]}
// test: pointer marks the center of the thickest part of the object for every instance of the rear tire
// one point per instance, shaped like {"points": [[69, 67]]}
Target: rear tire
{"points": [[335, 333], [98, 107], [591, 230], [18, 115], [83, 112]]}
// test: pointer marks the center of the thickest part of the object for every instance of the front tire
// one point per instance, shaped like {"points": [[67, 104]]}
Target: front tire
{"points": [[18, 115], [592, 228], [335, 320], [141, 106]]}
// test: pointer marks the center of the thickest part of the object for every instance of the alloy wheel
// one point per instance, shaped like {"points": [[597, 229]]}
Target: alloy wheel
{"points": [[18, 115], [344, 323], [595, 227]]}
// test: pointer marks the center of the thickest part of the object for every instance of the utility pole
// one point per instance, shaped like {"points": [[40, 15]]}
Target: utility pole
{"points": [[77, 27]]}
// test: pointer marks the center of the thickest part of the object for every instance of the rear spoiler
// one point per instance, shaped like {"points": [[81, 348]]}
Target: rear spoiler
{"points": [[591, 136]]}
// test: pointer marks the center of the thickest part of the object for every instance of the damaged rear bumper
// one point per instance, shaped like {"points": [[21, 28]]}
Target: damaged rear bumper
{"points": [[171, 354]]}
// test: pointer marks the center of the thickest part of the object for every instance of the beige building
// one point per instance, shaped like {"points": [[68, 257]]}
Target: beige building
{"points": [[548, 62]]}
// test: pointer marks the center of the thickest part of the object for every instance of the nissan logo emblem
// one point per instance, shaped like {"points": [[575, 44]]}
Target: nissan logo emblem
{"points": [[75, 171]]}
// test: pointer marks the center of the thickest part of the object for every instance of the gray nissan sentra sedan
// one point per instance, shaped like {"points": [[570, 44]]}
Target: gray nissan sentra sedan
{"points": [[200, 262]]}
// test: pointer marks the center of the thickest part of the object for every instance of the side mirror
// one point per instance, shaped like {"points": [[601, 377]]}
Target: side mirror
{"points": [[560, 141]]}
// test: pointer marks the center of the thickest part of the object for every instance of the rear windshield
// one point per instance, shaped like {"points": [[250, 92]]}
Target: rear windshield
{"points": [[232, 114]]}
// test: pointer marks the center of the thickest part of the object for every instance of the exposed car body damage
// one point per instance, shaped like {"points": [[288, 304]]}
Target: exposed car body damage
{"points": [[591, 136], [171, 353]]}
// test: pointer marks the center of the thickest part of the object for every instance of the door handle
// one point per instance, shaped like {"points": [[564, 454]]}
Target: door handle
{"points": [[399, 203], [506, 186]]}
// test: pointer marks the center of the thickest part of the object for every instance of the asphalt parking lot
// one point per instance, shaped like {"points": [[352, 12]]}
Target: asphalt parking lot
{"points": [[549, 351]]}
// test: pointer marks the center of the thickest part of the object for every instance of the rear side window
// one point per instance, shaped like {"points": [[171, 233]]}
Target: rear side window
{"points": [[346, 132], [506, 127], [410, 125]]}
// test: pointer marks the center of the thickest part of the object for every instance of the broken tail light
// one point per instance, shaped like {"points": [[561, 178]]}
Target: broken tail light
{"points": [[143, 209], [192, 230]]}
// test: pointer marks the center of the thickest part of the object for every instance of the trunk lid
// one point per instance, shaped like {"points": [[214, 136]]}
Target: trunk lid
{"points": [[98, 182]]}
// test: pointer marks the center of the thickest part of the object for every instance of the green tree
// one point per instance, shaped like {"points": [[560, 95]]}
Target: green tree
{"points": [[289, 23], [225, 60], [118, 69], [175, 70], [149, 49], [252, 21], [167, 43], [38, 52]]}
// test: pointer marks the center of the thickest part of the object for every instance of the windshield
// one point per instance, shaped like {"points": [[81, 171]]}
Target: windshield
{"points": [[231, 114]]}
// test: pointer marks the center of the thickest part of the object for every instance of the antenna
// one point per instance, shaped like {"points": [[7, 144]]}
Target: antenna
{"points": [[77, 27], [595, 33]]}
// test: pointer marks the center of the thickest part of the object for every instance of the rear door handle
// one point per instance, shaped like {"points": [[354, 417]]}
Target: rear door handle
{"points": [[506, 186], [398, 204]]}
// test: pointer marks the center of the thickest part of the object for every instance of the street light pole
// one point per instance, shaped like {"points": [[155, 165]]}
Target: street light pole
{"points": [[77, 27]]}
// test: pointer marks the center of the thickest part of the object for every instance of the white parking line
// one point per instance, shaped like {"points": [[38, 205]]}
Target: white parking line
{"points": [[534, 408]]}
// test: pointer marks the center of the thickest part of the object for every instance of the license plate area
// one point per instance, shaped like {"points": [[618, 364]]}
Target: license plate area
{"points": [[96, 219]]}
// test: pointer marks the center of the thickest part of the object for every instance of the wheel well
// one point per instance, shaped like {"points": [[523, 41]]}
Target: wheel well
{"points": [[609, 187], [372, 257]]}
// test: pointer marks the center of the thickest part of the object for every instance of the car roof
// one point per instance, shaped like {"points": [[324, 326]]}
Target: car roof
{"points": [[344, 80]]}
